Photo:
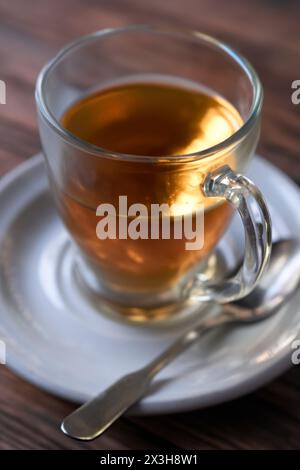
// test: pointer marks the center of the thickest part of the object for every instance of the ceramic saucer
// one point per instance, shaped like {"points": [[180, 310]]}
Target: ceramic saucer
{"points": [[60, 342]]}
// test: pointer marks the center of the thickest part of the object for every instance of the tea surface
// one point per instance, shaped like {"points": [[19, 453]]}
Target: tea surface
{"points": [[152, 119]]}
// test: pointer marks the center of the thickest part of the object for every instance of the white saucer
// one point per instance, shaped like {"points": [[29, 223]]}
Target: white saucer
{"points": [[62, 344]]}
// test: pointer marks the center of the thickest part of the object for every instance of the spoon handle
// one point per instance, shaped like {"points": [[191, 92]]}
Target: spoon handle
{"points": [[184, 341], [95, 416]]}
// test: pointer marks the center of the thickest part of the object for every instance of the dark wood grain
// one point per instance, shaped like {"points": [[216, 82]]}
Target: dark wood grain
{"points": [[268, 33]]}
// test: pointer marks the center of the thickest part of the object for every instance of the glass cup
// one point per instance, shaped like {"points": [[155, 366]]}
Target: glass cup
{"points": [[143, 279]]}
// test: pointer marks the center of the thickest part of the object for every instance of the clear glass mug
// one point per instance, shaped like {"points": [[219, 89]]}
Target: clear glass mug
{"points": [[153, 279]]}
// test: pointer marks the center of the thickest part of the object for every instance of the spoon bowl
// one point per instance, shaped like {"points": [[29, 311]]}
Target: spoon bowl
{"points": [[275, 287]]}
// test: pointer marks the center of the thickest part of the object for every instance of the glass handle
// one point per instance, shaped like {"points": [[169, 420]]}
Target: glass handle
{"points": [[246, 198]]}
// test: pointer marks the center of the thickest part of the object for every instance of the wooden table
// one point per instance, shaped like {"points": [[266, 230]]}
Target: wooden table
{"points": [[268, 33]]}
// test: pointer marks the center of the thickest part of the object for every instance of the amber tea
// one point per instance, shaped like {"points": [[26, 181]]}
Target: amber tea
{"points": [[145, 119]]}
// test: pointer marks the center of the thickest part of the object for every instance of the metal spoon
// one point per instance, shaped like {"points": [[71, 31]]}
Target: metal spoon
{"points": [[277, 285]]}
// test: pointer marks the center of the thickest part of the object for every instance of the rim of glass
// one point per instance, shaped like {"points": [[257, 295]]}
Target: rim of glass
{"points": [[87, 147]]}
